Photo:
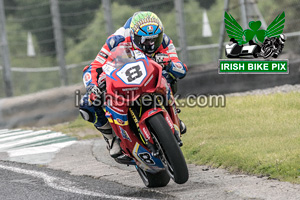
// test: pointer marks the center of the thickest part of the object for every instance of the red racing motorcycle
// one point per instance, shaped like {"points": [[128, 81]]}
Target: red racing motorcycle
{"points": [[141, 110]]}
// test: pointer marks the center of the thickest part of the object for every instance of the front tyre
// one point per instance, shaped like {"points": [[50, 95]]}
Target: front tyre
{"points": [[159, 179], [171, 154]]}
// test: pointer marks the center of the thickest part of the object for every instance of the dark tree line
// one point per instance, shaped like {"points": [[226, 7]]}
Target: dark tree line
{"points": [[162, 6], [37, 19], [35, 15]]}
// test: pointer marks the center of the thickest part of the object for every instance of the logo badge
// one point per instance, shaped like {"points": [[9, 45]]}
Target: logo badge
{"points": [[150, 29], [254, 42], [120, 121], [87, 77], [125, 134]]}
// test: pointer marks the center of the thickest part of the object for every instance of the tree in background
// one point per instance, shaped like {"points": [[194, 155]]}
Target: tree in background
{"points": [[155, 6], [10, 4], [35, 16], [88, 48], [206, 4]]}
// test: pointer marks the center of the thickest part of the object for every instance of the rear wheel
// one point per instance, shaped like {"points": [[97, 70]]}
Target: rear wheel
{"points": [[170, 152], [159, 179]]}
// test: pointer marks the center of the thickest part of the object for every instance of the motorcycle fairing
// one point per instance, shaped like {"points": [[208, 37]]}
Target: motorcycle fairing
{"points": [[116, 117], [147, 85], [136, 70], [136, 139], [145, 160], [143, 126]]}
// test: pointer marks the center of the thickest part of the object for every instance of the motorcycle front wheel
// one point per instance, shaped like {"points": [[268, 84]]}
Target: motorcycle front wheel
{"points": [[170, 152], [150, 180]]}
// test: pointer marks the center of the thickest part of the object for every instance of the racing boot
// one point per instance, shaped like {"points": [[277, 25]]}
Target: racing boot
{"points": [[182, 131], [111, 139], [182, 125]]}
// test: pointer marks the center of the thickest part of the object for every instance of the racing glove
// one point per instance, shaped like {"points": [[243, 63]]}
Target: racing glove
{"points": [[169, 76], [162, 59], [102, 82], [165, 62], [94, 92], [178, 70]]}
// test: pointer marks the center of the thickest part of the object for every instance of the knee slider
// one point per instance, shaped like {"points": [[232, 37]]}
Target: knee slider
{"points": [[105, 129], [86, 115]]}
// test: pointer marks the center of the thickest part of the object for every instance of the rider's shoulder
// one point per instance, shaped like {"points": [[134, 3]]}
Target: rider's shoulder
{"points": [[121, 35], [166, 41], [118, 37], [127, 24], [114, 40]]}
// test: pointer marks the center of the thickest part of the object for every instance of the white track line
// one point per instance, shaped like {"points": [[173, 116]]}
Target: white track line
{"points": [[8, 134], [40, 149], [61, 184], [16, 136], [6, 146], [4, 131]]}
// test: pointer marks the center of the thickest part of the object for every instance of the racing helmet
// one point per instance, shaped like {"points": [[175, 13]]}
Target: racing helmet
{"points": [[146, 31], [282, 38]]}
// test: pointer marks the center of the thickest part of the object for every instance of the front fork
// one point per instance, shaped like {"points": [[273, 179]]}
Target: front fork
{"points": [[173, 113], [142, 127], [144, 134]]}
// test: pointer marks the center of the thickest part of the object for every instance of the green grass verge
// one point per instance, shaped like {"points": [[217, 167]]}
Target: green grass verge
{"points": [[253, 134]]}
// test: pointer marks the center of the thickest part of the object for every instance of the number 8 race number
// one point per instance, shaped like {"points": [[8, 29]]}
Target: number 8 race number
{"points": [[133, 73]]}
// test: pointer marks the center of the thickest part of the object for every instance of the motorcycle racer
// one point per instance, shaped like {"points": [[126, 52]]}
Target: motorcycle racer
{"points": [[273, 46], [143, 31]]}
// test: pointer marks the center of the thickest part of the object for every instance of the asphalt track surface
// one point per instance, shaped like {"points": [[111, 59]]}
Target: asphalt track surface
{"points": [[21, 181], [84, 170]]}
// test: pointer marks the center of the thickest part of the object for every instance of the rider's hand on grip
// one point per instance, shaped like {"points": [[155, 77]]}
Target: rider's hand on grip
{"points": [[94, 92], [162, 59], [102, 82], [170, 77]]}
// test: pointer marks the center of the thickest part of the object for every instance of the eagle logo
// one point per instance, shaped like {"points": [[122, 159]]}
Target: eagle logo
{"points": [[264, 43], [234, 30]]}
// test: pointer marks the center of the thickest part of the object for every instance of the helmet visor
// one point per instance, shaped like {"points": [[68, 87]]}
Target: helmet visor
{"points": [[148, 44]]}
